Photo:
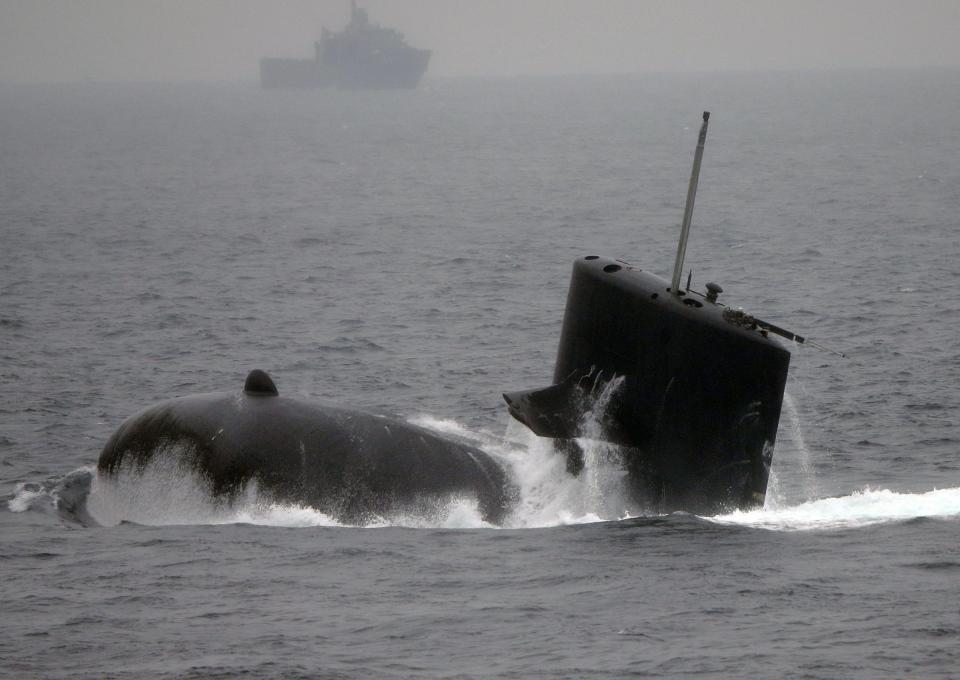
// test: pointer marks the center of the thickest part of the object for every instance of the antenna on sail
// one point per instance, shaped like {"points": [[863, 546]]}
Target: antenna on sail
{"points": [[688, 210]]}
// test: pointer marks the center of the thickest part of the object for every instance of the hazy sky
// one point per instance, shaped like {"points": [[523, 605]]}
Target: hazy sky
{"points": [[67, 40]]}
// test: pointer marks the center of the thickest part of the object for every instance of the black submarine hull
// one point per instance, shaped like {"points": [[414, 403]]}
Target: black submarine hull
{"points": [[695, 394], [353, 466]]}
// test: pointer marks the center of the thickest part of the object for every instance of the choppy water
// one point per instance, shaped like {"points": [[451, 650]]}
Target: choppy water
{"points": [[408, 253]]}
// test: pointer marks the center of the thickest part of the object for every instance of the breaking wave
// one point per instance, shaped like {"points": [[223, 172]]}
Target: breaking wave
{"points": [[549, 497], [166, 492], [163, 493]]}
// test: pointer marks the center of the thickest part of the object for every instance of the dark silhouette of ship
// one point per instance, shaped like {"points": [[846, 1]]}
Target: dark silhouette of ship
{"points": [[363, 56]]}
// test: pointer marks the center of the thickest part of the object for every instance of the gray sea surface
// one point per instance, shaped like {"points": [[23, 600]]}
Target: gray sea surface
{"points": [[408, 253]]}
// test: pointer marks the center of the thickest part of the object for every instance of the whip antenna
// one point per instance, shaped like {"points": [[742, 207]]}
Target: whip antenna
{"points": [[688, 210]]}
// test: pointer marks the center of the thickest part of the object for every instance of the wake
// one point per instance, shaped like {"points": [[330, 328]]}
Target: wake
{"points": [[165, 493], [859, 509]]}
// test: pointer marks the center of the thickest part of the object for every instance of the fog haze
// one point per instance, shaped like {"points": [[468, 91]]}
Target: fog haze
{"points": [[58, 40]]}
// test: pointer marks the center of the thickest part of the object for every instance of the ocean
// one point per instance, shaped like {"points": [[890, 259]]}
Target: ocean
{"points": [[408, 253]]}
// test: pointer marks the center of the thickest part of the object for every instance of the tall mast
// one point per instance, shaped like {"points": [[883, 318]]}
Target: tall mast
{"points": [[688, 210]]}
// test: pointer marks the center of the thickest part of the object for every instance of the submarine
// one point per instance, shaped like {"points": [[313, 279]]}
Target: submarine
{"points": [[686, 389]]}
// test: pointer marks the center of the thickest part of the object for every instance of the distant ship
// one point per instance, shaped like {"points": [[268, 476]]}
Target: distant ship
{"points": [[363, 56]]}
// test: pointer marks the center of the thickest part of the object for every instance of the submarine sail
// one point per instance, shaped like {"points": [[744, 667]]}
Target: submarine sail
{"points": [[700, 386]]}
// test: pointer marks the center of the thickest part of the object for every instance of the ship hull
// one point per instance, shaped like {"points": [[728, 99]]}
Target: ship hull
{"points": [[379, 72], [396, 70]]}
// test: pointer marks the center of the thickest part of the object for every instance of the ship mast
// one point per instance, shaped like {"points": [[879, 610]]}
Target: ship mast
{"points": [[688, 210]]}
